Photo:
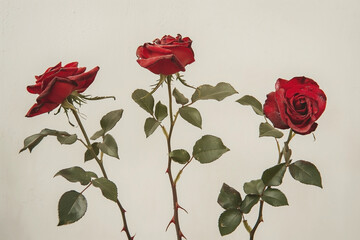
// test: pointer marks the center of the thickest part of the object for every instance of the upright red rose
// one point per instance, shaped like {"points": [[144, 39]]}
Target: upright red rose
{"points": [[295, 104], [166, 56], [56, 84]]}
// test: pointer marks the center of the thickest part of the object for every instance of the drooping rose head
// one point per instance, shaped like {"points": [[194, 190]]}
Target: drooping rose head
{"points": [[295, 104], [56, 84], [166, 56]]}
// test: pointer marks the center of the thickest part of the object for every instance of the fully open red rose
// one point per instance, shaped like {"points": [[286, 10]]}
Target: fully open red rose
{"points": [[166, 56], [56, 84], [295, 104]]}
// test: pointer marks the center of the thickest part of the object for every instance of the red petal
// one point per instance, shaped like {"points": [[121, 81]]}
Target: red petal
{"points": [[57, 91], [35, 89], [50, 69], [166, 64], [167, 39], [184, 54], [309, 130], [61, 73], [84, 80], [72, 64], [38, 109], [271, 111]]}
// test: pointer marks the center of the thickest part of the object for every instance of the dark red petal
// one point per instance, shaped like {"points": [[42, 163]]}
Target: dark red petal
{"points": [[299, 83], [84, 80], [50, 69], [35, 89], [61, 73], [308, 130], [57, 91], [167, 39], [157, 50], [80, 70], [280, 83], [38, 109], [184, 54], [72, 64], [271, 111], [166, 64], [142, 52]]}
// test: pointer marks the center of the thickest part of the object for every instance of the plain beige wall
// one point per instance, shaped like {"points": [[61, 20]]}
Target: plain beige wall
{"points": [[246, 43]]}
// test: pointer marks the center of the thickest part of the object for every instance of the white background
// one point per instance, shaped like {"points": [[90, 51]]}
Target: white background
{"points": [[246, 43]]}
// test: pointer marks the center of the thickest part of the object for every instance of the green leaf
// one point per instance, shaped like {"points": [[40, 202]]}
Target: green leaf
{"points": [[109, 146], [150, 126], [144, 99], [76, 174], [219, 92], [109, 121], [31, 142], [107, 187], [180, 156], [305, 172], [179, 97], [266, 130], [229, 197], [229, 220], [254, 187], [67, 139], [52, 132], [208, 149], [249, 202], [89, 154], [91, 174], [191, 115], [72, 207], [273, 176], [98, 134], [274, 197], [253, 102], [160, 111]]}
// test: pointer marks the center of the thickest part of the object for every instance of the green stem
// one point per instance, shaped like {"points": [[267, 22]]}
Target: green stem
{"points": [[259, 220], [260, 216], [101, 165], [175, 219]]}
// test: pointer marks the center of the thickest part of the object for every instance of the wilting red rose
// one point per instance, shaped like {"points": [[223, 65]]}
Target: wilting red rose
{"points": [[295, 104], [166, 56], [56, 84]]}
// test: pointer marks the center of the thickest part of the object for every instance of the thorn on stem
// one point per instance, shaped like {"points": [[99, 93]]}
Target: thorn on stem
{"points": [[167, 170], [178, 206], [133, 237], [171, 221], [123, 229], [182, 235]]}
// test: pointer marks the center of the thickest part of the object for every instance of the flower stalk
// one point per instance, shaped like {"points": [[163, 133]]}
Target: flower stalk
{"points": [[261, 206], [175, 218], [101, 165]]}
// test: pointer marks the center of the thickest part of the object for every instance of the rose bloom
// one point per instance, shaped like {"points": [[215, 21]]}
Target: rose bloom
{"points": [[56, 84], [166, 56], [295, 104]]}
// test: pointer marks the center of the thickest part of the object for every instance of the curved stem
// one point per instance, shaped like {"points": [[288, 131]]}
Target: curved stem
{"points": [[281, 153], [101, 165], [182, 169], [175, 219], [259, 220]]}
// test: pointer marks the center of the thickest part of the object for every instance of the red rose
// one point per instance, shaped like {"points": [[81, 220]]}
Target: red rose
{"points": [[56, 84], [166, 56], [295, 104]]}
